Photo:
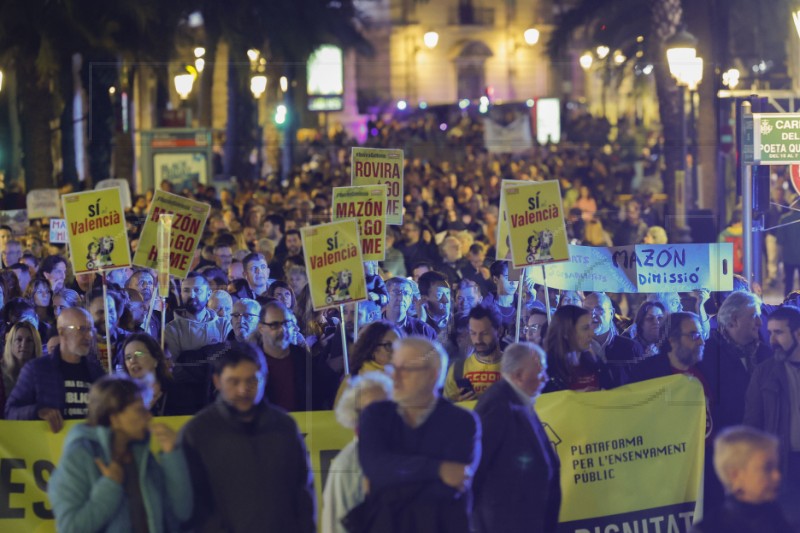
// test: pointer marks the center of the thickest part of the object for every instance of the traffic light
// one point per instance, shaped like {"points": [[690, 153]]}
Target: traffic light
{"points": [[281, 113]]}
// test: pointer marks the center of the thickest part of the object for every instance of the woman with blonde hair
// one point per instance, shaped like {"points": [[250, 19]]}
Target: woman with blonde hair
{"points": [[22, 345]]}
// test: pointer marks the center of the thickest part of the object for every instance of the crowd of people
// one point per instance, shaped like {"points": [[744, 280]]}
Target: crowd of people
{"points": [[244, 345]]}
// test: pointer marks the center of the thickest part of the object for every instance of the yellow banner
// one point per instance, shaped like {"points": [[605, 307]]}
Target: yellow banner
{"points": [[96, 230], [375, 166], [629, 456], [187, 231], [367, 204], [535, 223], [334, 264]]}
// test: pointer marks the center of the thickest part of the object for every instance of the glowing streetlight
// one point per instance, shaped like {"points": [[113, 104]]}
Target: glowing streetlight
{"points": [[183, 85], [531, 36], [431, 39], [602, 51], [258, 84], [586, 60]]}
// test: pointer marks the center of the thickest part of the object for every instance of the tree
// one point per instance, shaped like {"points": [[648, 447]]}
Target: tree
{"points": [[617, 24]]}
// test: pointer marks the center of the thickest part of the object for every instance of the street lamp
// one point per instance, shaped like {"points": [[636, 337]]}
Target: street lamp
{"points": [[687, 69], [586, 60], [531, 36], [183, 85], [258, 84], [431, 39]]}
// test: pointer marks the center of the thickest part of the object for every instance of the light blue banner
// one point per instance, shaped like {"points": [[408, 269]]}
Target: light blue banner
{"points": [[643, 268]]}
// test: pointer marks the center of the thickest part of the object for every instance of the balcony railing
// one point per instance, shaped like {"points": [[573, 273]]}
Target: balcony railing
{"points": [[469, 15]]}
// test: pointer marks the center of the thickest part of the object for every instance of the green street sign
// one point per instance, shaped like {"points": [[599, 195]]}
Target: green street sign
{"points": [[776, 139]]}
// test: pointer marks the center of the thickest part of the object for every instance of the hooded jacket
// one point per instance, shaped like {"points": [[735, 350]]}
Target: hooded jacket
{"points": [[84, 500], [183, 333]]}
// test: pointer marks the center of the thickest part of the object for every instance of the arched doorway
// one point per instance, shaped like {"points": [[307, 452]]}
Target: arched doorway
{"points": [[470, 61]]}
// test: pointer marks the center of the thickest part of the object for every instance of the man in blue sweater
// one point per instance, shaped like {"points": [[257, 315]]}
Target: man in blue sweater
{"points": [[418, 452], [56, 387]]}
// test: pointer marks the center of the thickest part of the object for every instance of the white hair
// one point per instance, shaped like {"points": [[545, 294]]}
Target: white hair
{"points": [[251, 305], [222, 297], [734, 447], [348, 410], [515, 355], [734, 304], [430, 350]]}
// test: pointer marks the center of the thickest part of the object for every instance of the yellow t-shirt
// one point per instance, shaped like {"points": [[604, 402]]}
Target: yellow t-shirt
{"points": [[481, 375]]}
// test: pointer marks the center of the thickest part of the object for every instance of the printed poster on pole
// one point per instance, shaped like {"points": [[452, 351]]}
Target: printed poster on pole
{"points": [[536, 225], [381, 166], [367, 204], [187, 231], [334, 264], [96, 230]]}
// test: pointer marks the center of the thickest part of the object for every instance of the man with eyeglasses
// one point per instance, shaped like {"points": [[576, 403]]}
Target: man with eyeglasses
{"points": [[56, 387], [256, 277], [194, 325], [618, 352], [298, 382], [244, 320], [247, 460], [419, 451], [401, 295], [221, 303]]}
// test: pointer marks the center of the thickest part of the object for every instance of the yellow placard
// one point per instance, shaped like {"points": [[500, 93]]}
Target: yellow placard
{"points": [[503, 247], [535, 223], [96, 230], [334, 264], [367, 204], [376, 166], [628, 455], [187, 231]]}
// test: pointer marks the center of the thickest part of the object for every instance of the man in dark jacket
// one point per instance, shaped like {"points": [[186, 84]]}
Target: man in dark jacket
{"points": [[420, 452], [247, 459], [618, 352], [56, 387], [772, 402], [510, 498]]}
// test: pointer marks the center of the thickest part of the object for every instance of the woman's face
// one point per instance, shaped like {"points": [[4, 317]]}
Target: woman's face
{"points": [[132, 422], [285, 296], [138, 360], [41, 295], [297, 281], [533, 332], [652, 324], [583, 333], [383, 352], [22, 345]]}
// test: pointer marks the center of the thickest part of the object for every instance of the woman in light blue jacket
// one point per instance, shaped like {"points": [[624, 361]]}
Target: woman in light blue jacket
{"points": [[108, 480]]}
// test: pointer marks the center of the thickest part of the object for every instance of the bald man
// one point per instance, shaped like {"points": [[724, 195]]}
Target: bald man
{"points": [[56, 387]]}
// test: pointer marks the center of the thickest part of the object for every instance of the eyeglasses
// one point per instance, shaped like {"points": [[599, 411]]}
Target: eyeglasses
{"points": [[531, 329], [240, 315], [391, 369], [135, 355], [694, 335], [275, 326], [402, 294], [80, 329]]}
